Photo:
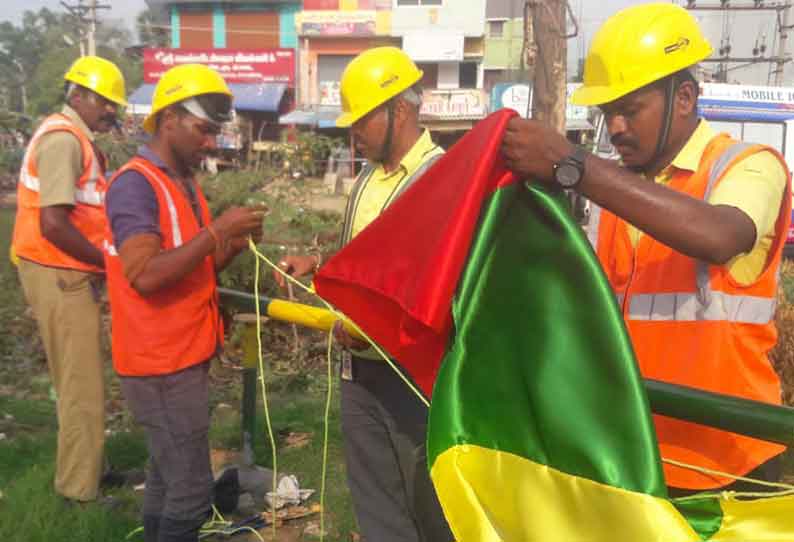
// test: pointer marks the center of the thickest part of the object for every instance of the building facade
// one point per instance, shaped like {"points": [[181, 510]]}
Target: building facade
{"points": [[444, 38], [251, 43], [504, 40], [232, 24]]}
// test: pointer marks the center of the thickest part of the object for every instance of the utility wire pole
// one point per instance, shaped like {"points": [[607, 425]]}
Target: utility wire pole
{"points": [[782, 11], [548, 59], [782, 45], [85, 11]]}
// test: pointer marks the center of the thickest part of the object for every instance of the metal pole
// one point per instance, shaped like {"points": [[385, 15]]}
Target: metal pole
{"points": [[782, 45], [248, 403], [92, 28]]}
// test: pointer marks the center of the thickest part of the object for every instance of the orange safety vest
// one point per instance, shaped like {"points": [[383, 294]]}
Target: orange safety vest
{"points": [[178, 326], [88, 214], [692, 324]]}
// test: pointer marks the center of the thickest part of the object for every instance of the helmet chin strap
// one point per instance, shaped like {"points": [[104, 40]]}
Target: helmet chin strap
{"points": [[667, 118], [385, 150]]}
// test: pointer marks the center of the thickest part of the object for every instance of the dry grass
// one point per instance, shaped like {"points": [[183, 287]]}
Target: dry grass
{"points": [[783, 354]]}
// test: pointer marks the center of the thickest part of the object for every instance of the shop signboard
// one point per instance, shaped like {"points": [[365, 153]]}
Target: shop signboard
{"points": [[518, 97], [454, 104], [337, 23], [235, 65]]}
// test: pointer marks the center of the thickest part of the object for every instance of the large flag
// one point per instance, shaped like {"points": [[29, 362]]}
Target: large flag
{"points": [[491, 300]]}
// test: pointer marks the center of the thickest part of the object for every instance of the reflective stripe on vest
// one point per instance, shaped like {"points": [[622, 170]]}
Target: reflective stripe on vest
{"points": [[86, 193], [710, 306], [176, 232]]}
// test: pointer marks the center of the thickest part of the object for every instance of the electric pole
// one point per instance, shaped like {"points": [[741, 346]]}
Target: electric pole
{"points": [[548, 20], [782, 45], [782, 11], [85, 12]]}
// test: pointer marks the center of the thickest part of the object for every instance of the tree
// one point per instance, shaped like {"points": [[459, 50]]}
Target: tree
{"points": [[21, 49], [152, 30], [35, 55]]}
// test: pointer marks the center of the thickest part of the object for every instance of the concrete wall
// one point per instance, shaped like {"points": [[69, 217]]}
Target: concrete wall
{"points": [[504, 52], [467, 16]]}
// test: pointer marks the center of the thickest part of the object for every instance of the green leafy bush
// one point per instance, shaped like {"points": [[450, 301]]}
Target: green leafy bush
{"points": [[288, 227]]}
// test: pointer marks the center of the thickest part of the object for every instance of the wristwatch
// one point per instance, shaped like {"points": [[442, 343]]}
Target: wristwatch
{"points": [[569, 171]]}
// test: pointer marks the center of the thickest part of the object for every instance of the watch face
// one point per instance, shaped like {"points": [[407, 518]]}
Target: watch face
{"points": [[568, 175]]}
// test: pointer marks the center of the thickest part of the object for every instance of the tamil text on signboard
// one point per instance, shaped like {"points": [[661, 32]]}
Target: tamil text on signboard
{"points": [[236, 66]]}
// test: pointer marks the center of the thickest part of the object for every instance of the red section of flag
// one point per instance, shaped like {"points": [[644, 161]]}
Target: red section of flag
{"points": [[396, 279]]}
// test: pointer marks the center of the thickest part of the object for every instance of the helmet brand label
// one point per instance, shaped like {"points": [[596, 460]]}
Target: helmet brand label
{"points": [[389, 81], [173, 89], [682, 43]]}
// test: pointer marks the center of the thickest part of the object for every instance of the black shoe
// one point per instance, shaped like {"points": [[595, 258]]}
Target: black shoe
{"points": [[114, 478]]}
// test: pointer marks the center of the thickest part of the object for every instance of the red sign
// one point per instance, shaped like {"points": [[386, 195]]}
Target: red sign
{"points": [[235, 65]]}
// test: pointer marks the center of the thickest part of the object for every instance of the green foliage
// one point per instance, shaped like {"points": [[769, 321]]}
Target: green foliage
{"points": [[314, 149], [117, 149], [11, 160], [153, 29], [35, 55], [288, 224]]}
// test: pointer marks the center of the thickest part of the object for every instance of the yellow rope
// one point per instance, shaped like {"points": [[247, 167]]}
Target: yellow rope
{"points": [[264, 389], [787, 488], [341, 316], [326, 422]]}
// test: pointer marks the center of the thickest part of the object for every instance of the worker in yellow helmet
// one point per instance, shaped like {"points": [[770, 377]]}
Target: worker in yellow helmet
{"points": [[57, 243], [384, 425], [163, 250], [689, 230]]}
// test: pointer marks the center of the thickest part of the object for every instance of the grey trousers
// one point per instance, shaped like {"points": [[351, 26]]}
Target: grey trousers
{"points": [[173, 411], [384, 429]]}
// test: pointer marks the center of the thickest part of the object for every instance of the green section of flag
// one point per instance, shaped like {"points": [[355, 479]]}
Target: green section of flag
{"points": [[540, 365], [703, 514]]}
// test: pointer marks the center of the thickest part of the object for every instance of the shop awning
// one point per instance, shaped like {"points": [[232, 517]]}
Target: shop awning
{"points": [[264, 97], [320, 116]]}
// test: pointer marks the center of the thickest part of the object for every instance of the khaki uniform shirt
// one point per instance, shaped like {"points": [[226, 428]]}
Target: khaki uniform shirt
{"points": [[59, 159]]}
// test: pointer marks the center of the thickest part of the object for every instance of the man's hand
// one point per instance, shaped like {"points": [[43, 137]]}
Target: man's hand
{"points": [[531, 149], [239, 222], [345, 339], [297, 266], [60, 231]]}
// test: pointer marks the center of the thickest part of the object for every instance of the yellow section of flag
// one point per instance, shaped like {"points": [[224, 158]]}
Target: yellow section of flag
{"points": [[493, 496]]}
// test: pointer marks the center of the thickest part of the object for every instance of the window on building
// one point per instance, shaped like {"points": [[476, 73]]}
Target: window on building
{"points": [[468, 75], [419, 2], [496, 29]]}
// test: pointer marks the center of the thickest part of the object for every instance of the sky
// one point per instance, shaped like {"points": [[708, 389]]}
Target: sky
{"points": [[125, 10], [743, 27]]}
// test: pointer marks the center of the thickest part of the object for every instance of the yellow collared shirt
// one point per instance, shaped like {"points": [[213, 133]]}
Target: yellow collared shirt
{"points": [[379, 191], [754, 186]]}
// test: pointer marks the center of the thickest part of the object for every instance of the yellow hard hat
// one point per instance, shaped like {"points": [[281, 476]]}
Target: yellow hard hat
{"points": [[637, 46], [181, 83], [373, 78], [99, 75]]}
